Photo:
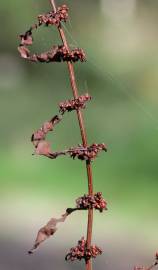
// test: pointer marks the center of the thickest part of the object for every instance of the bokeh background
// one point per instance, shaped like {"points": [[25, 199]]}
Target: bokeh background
{"points": [[120, 38]]}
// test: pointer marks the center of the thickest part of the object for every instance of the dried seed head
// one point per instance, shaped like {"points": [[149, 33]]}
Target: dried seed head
{"points": [[54, 18], [95, 201], [74, 104], [82, 252], [86, 153]]}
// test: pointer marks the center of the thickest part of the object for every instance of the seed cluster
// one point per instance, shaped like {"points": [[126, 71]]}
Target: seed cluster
{"points": [[74, 55], [95, 201], [74, 104], [87, 153], [54, 18], [82, 252]]}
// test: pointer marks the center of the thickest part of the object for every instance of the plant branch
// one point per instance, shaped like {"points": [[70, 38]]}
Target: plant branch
{"points": [[83, 135]]}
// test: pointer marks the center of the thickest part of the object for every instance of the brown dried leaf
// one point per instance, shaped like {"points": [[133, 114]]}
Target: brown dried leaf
{"points": [[24, 52], [37, 136], [26, 39], [43, 148], [48, 230], [43, 57], [55, 120], [49, 125]]}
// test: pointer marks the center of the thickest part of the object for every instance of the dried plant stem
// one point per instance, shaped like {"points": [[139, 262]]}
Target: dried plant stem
{"points": [[83, 135]]}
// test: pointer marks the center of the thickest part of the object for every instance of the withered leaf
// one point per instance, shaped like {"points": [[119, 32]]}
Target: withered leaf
{"points": [[26, 39], [43, 57], [43, 148], [48, 230], [24, 52], [37, 136], [55, 120], [47, 126]]}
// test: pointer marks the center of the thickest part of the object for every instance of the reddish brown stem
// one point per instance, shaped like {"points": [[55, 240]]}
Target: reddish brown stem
{"points": [[83, 135]]}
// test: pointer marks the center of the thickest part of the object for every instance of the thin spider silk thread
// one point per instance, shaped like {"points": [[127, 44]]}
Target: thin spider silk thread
{"points": [[122, 86]]}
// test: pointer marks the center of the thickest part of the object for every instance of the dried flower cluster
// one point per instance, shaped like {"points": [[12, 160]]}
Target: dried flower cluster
{"points": [[82, 252], [54, 18], [88, 153], [88, 202], [74, 104], [63, 54]]}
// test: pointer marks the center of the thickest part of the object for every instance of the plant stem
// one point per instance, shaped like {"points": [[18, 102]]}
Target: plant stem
{"points": [[83, 135]]}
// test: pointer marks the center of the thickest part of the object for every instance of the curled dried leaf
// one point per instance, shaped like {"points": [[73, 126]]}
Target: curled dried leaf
{"points": [[24, 52], [26, 39], [55, 120], [48, 230], [40, 134], [44, 148]]}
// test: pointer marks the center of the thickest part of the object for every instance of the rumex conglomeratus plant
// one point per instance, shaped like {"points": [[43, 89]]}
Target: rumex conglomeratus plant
{"points": [[87, 153], [84, 152]]}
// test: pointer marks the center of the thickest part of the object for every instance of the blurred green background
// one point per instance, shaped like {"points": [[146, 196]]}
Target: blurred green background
{"points": [[120, 38]]}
